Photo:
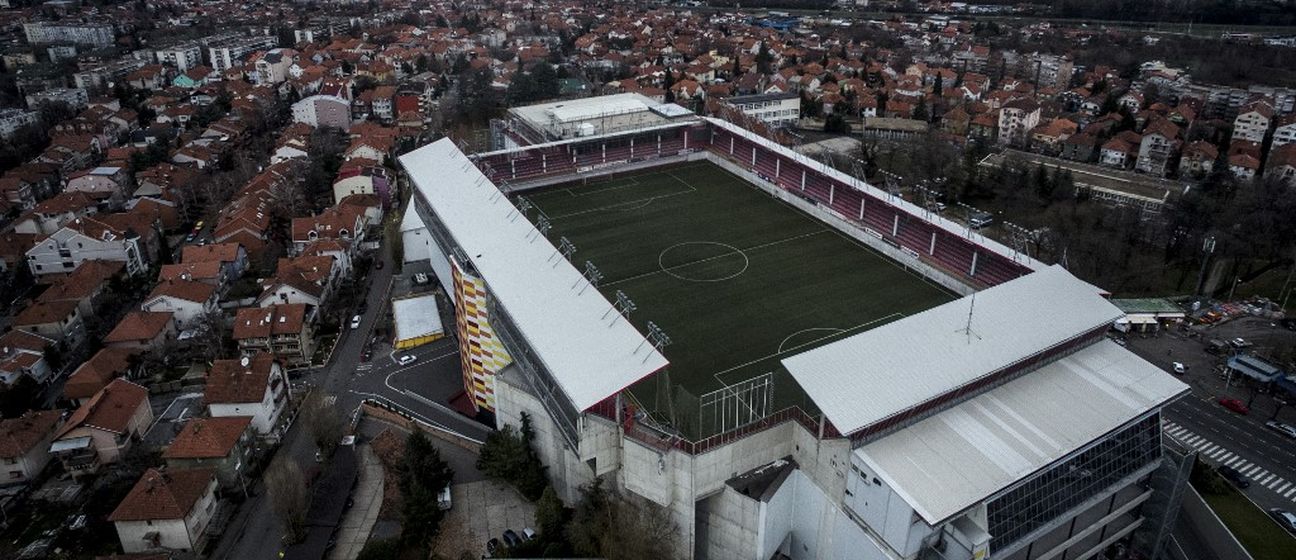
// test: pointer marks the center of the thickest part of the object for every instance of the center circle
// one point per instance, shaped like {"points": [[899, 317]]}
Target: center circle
{"points": [[703, 261]]}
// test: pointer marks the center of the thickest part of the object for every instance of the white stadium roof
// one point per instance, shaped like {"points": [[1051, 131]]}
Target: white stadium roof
{"points": [[953, 460], [575, 110], [886, 371], [590, 352]]}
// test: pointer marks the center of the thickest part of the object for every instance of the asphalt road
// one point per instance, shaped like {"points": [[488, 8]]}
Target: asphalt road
{"points": [[422, 388], [1222, 436]]}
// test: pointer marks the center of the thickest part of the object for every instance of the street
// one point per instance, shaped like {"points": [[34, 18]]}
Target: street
{"points": [[1219, 435], [422, 388]]}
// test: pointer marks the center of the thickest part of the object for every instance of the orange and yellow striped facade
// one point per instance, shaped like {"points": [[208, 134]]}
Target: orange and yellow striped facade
{"points": [[480, 351]]}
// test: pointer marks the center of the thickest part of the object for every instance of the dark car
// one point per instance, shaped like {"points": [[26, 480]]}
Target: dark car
{"points": [[378, 265], [492, 546], [1285, 518], [511, 539], [1236, 405], [1233, 475]]}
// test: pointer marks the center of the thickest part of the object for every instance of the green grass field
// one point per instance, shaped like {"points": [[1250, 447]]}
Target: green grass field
{"points": [[737, 279]]}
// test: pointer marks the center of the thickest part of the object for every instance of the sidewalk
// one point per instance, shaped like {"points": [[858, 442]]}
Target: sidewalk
{"points": [[359, 519]]}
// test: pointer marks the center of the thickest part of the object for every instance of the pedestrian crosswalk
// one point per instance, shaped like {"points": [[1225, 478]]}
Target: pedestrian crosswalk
{"points": [[1218, 455]]}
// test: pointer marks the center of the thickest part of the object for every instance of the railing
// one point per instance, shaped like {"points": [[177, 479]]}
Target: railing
{"points": [[664, 441]]}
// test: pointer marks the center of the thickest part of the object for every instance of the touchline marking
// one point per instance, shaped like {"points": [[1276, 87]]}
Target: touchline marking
{"points": [[620, 205]]}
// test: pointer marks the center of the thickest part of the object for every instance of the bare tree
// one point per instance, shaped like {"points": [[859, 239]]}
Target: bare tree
{"points": [[322, 420], [288, 496]]}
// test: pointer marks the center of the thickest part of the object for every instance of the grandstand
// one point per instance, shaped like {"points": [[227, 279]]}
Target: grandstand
{"points": [[786, 358]]}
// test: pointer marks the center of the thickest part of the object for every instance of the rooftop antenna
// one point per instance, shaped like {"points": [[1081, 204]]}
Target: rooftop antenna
{"points": [[967, 329]]}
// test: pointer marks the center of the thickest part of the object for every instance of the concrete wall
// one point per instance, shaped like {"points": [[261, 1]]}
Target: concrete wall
{"points": [[1212, 532], [567, 471]]}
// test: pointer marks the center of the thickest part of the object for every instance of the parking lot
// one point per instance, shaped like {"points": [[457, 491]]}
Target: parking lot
{"points": [[1221, 436]]}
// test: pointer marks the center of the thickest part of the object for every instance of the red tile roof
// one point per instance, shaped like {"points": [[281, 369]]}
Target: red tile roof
{"points": [[164, 495], [187, 290], [95, 373], [45, 312], [261, 322], [139, 326], [110, 409], [239, 381], [20, 435], [208, 438]]}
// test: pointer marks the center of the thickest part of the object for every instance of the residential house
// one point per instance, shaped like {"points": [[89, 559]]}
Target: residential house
{"points": [[1081, 147], [16, 363], [96, 373], [1282, 164], [363, 179], [1048, 137], [50, 215], [1244, 166], [285, 330], [1198, 159], [187, 300], [87, 285], [222, 443], [143, 330], [24, 445], [1252, 121], [85, 239], [252, 386], [166, 510], [1285, 130], [304, 279], [323, 110], [210, 273], [233, 259], [105, 184], [1119, 152], [344, 222], [57, 320], [1017, 118], [103, 428], [1157, 148]]}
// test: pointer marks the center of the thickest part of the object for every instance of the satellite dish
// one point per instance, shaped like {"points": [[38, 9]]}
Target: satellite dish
{"points": [[245, 361]]}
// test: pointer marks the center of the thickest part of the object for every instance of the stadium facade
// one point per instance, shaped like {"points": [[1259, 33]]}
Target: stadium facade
{"points": [[1002, 424]]}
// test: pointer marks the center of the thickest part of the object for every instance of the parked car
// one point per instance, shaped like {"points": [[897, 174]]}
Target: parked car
{"points": [[511, 539], [1180, 369], [1217, 347], [528, 534], [444, 500], [355, 322], [1233, 475], [378, 265], [406, 359], [1240, 343], [1285, 518], [1284, 429], [1236, 405], [492, 546]]}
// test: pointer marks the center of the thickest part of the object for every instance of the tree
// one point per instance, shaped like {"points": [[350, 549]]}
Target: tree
{"points": [[939, 87], [836, 124], [763, 59], [423, 475], [288, 496], [549, 514], [322, 421], [609, 525], [508, 455], [395, 242]]}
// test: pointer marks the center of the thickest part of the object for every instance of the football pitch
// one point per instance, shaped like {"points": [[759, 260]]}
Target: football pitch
{"points": [[735, 278]]}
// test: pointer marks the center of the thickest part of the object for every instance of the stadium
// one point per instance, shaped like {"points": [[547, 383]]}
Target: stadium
{"points": [[790, 361]]}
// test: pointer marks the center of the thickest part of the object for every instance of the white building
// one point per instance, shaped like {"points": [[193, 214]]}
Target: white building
{"points": [[1252, 121], [76, 98], [182, 56], [86, 239], [323, 110], [24, 445], [167, 510], [1285, 132], [775, 109], [93, 34], [1017, 119], [249, 386], [589, 116], [227, 53], [13, 119], [187, 300]]}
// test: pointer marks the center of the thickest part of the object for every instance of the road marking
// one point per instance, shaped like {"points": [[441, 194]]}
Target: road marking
{"points": [[1226, 456], [1278, 480], [1260, 473], [1177, 431], [1234, 461], [1217, 453], [1283, 488], [1290, 492], [1206, 447], [1193, 440], [1251, 469]]}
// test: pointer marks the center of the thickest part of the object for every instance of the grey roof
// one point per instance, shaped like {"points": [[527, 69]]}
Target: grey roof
{"points": [[591, 351], [966, 454], [759, 97], [886, 371]]}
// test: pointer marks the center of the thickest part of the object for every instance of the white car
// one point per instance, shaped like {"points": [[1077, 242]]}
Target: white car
{"points": [[1284, 429], [406, 360], [1180, 369], [355, 322]]}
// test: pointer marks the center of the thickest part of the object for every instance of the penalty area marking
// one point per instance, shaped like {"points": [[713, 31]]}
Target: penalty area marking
{"points": [[811, 329], [731, 248], [796, 347]]}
